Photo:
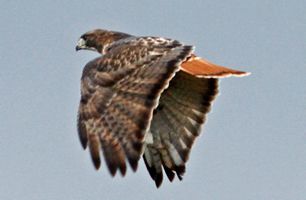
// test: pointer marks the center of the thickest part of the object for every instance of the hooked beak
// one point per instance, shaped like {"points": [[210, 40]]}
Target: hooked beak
{"points": [[80, 45]]}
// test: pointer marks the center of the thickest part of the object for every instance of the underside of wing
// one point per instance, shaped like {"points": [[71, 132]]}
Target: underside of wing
{"points": [[200, 67], [176, 123]]}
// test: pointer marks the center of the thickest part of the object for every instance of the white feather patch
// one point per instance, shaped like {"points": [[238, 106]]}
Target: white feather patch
{"points": [[175, 156], [148, 138]]}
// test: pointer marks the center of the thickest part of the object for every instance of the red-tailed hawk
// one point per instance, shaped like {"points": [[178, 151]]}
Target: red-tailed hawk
{"points": [[144, 96]]}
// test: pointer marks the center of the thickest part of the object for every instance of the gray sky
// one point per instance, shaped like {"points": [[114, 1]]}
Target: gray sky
{"points": [[253, 146]]}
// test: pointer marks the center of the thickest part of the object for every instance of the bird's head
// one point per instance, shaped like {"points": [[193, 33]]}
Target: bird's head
{"points": [[98, 40]]}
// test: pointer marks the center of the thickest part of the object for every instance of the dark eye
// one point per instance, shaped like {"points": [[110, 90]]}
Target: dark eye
{"points": [[85, 37], [90, 43]]}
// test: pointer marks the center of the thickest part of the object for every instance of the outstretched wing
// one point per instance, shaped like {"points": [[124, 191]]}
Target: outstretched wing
{"points": [[176, 123], [178, 118], [119, 92]]}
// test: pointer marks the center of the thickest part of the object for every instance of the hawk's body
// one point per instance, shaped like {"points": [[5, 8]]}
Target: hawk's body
{"points": [[144, 96]]}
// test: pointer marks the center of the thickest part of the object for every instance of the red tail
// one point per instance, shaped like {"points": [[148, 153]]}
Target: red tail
{"points": [[199, 67]]}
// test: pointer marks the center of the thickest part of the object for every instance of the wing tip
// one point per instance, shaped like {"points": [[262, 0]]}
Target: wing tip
{"points": [[96, 162], [133, 164], [169, 173], [159, 179]]}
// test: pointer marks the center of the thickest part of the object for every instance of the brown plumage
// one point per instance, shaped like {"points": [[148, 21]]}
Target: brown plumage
{"points": [[144, 96]]}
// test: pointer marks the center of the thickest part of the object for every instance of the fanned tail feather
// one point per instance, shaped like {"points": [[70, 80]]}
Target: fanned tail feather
{"points": [[201, 68]]}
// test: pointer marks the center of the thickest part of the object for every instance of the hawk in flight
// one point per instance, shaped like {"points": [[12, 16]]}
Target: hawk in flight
{"points": [[144, 96]]}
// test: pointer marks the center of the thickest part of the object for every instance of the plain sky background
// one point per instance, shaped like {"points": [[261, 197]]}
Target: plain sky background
{"points": [[252, 147]]}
